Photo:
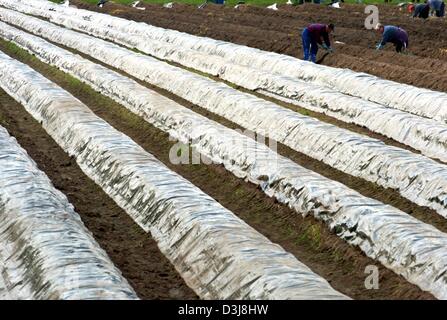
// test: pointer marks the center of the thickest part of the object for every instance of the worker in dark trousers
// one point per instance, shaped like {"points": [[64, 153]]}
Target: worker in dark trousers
{"points": [[393, 34], [314, 35], [421, 10], [437, 7]]}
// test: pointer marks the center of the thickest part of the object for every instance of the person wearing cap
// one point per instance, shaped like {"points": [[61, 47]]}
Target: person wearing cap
{"points": [[316, 34], [393, 34]]}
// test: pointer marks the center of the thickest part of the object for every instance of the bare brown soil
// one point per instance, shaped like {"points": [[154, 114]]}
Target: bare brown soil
{"points": [[309, 240], [279, 31]]}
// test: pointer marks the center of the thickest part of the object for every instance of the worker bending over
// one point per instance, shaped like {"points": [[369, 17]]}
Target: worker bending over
{"points": [[421, 10], [393, 34], [314, 35], [437, 7]]}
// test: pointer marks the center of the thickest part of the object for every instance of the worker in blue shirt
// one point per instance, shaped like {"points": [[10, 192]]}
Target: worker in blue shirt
{"points": [[393, 34]]}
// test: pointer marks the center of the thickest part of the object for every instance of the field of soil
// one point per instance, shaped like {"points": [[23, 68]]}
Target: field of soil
{"points": [[134, 251], [279, 31]]}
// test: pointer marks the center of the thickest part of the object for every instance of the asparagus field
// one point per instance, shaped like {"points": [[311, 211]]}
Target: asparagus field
{"points": [[179, 152]]}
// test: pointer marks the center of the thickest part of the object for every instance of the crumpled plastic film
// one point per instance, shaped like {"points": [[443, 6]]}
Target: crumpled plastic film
{"points": [[301, 189], [45, 250], [4, 294], [407, 98], [425, 135], [417, 178], [217, 254]]}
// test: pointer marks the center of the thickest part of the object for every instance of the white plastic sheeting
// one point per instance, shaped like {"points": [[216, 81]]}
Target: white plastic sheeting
{"points": [[4, 294], [45, 250], [217, 254], [418, 178], [425, 135], [357, 219], [407, 98]]}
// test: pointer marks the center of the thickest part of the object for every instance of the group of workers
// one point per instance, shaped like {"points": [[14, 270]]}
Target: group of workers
{"points": [[428, 8], [317, 35]]}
